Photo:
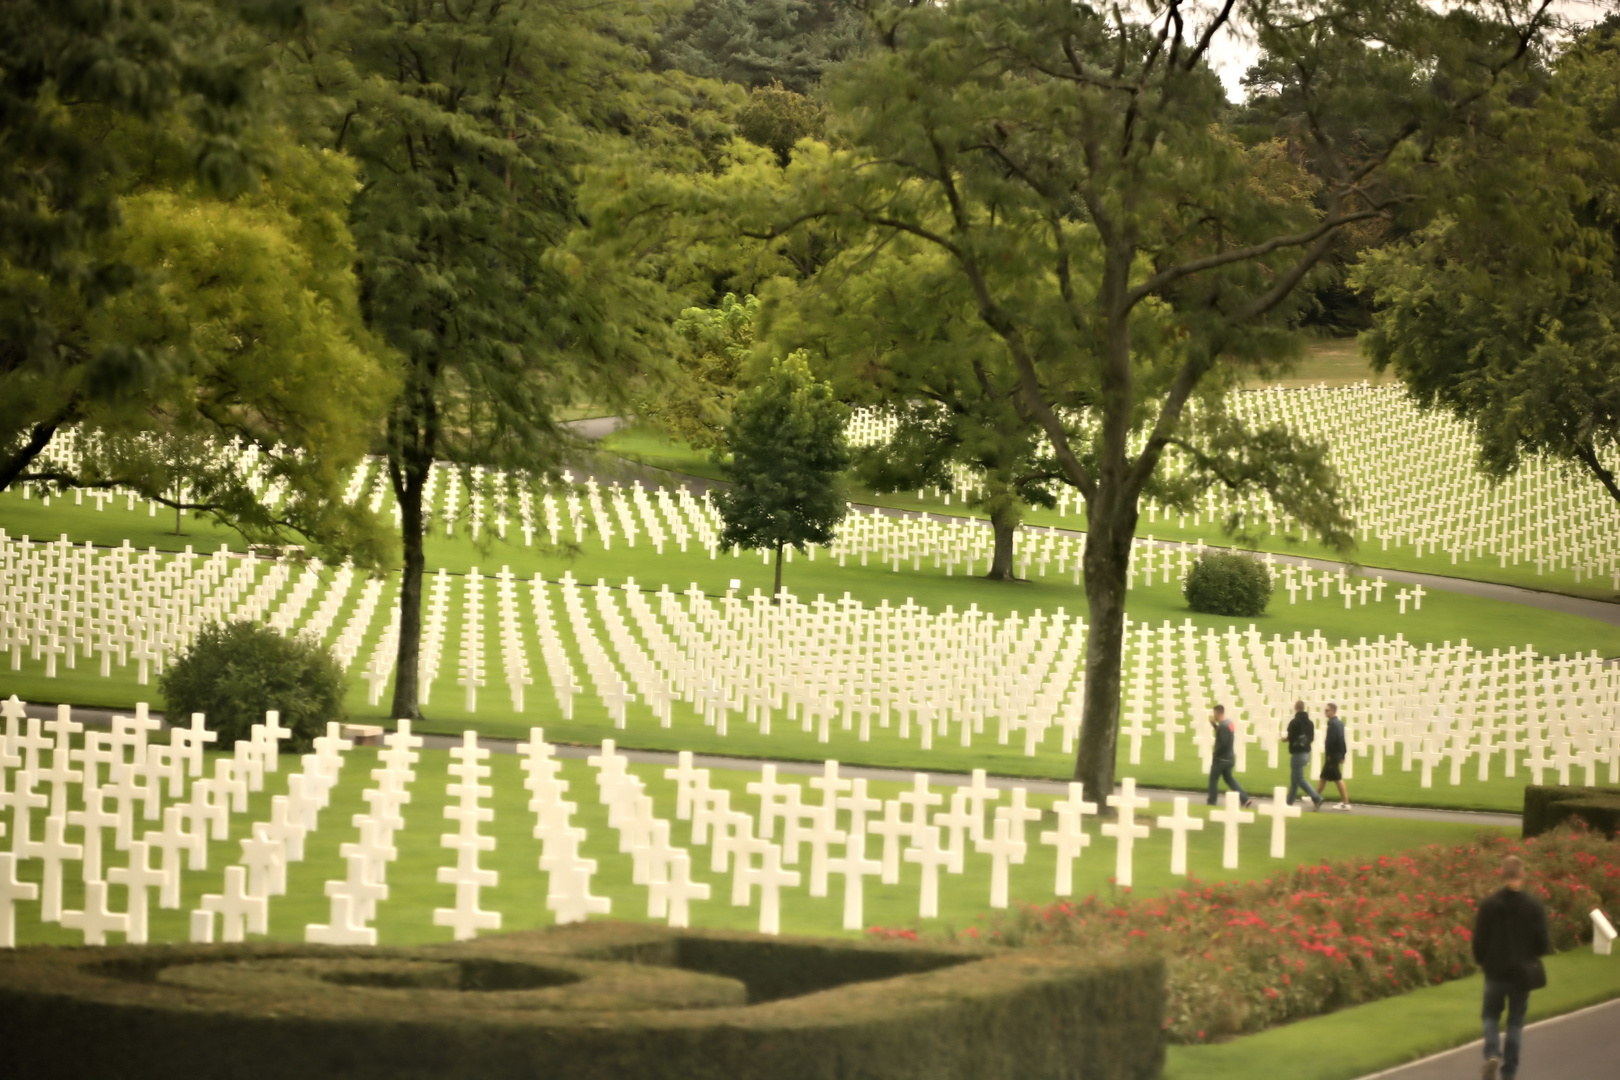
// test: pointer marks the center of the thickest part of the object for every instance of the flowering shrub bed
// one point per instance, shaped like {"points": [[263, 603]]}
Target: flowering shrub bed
{"points": [[1243, 957]]}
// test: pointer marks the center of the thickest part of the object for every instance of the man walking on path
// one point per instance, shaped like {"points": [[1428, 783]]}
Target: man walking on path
{"points": [[1301, 734], [1334, 751], [1224, 758], [1510, 938]]}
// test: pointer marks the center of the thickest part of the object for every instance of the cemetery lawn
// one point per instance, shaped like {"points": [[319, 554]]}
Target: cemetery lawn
{"points": [[1445, 617], [644, 446], [407, 916], [1343, 1046]]}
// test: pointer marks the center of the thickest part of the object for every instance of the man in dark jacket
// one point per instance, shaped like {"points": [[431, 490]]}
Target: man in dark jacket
{"points": [[1301, 734], [1510, 938], [1334, 750], [1224, 758]]}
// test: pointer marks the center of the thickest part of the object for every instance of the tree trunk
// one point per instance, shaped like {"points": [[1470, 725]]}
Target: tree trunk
{"points": [[1004, 519], [776, 593], [1111, 512], [1108, 545], [409, 479]]}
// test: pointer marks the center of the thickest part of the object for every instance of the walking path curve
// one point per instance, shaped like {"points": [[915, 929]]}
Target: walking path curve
{"points": [[1602, 610], [1576, 1046]]}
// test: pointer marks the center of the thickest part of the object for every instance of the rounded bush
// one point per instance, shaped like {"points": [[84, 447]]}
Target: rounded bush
{"points": [[1223, 584], [235, 671]]}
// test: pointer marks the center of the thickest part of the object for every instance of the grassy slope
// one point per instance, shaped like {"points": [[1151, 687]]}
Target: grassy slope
{"points": [[1343, 1045], [406, 917], [1445, 617]]}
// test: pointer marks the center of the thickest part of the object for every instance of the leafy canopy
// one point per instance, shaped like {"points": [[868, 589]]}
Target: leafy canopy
{"points": [[787, 452]]}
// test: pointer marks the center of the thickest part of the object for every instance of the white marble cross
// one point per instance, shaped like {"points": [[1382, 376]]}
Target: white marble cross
{"points": [[237, 908], [771, 879], [1180, 823], [930, 856], [856, 868], [54, 851], [1279, 812], [11, 891], [1002, 849], [95, 920], [919, 798], [978, 794], [893, 829], [1069, 838], [678, 890], [138, 877], [1231, 815], [1125, 830]]}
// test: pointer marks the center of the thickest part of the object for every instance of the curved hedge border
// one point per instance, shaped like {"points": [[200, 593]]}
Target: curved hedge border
{"points": [[598, 1001]]}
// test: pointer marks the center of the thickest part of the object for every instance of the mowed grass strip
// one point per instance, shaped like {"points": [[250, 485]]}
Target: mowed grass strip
{"points": [[414, 892], [1380, 1035]]}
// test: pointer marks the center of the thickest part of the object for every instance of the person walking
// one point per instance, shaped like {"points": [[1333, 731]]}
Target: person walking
{"points": [[1510, 938], [1224, 757], [1334, 751], [1301, 734]]}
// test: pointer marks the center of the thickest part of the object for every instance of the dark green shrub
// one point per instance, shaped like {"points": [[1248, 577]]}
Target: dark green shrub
{"points": [[1224, 584], [235, 671], [592, 1001], [1541, 806]]}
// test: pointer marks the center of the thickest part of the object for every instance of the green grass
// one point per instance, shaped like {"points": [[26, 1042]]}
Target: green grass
{"points": [[406, 917], [1369, 1038], [1330, 362], [1445, 617]]}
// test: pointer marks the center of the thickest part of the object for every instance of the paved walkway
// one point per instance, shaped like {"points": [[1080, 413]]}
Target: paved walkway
{"points": [[1581, 1045], [103, 718], [1602, 610]]}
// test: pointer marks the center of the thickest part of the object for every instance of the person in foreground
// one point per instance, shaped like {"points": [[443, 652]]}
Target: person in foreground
{"points": [[1510, 938], [1224, 758]]}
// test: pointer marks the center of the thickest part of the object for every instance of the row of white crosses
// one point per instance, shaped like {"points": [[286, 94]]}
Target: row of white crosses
{"points": [[125, 768], [842, 667], [63, 604], [569, 873], [1415, 483], [1412, 477], [837, 825], [69, 446]]}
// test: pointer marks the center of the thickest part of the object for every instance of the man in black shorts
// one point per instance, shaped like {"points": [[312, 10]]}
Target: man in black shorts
{"points": [[1334, 750]]}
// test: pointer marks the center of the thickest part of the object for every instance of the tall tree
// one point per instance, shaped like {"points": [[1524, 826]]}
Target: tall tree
{"points": [[1077, 170], [898, 329], [758, 42], [787, 450], [69, 75], [1503, 309], [484, 262]]}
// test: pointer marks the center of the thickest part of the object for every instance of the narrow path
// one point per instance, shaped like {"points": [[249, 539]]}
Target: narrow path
{"points": [[1601, 610], [103, 718], [1576, 1046]]}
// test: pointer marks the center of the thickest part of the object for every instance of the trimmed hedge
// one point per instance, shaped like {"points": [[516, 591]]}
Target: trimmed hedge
{"points": [[1544, 809], [597, 1001], [1220, 583]]}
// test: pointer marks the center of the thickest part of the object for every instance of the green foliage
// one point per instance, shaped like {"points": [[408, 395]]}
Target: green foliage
{"points": [[233, 672], [776, 118], [1501, 308], [787, 450], [1227, 584], [251, 303], [1079, 176], [1542, 804], [636, 998], [715, 344], [760, 42]]}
